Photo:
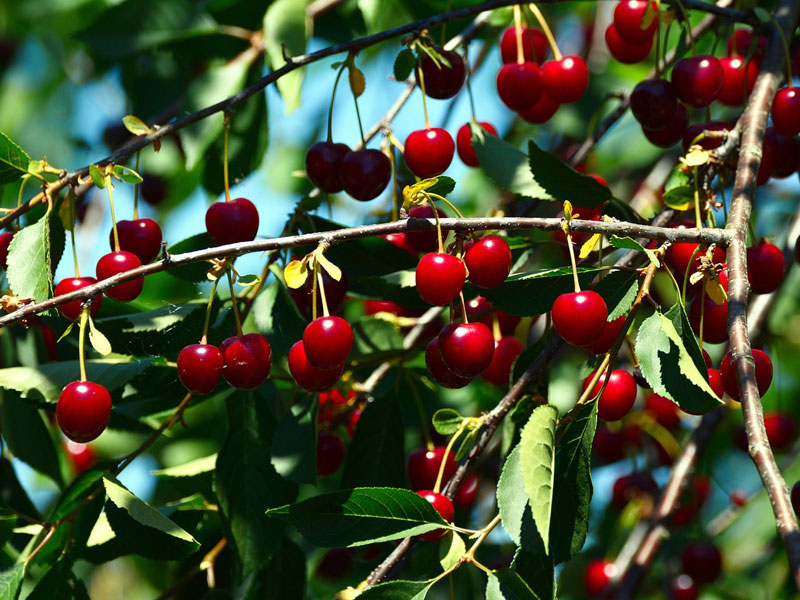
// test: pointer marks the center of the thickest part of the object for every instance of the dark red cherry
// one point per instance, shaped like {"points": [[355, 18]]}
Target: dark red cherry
{"points": [[519, 85], [466, 151], [466, 348], [374, 307], [715, 382], [630, 19], [765, 266], [83, 410], [327, 342], [707, 141], [683, 587], [467, 492], [766, 169], [306, 375], [663, 410], [763, 373], [200, 367], [428, 152], [324, 163], [697, 79], [82, 456], [684, 257], [335, 563], [579, 317], [781, 429], [672, 133], [785, 151], [440, 278], [618, 397], [488, 261], [442, 81], [444, 507], [609, 335], [440, 372], [633, 485], [715, 319], [608, 446], [335, 292], [506, 351], [598, 575], [330, 453], [565, 80], [738, 79], [153, 189], [424, 240], [691, 501], [118, 262], [701, 561], [72, 310], [534, 45], [365, 174], [740, 42], [231, 222], [141, 237], [541, 112], [653, 103], [247, 360], [786, 111], [5, 240], [423, 467], [796, 497], [401, 241], [624, 51]]}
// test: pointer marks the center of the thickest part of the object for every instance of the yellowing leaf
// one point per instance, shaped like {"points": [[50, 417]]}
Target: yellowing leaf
{"points": [[296, 273], [715, 292], [357, 81], [648, 16], [695, 158], [331, 268], [136, 126], [588, 247], [98, 340]]}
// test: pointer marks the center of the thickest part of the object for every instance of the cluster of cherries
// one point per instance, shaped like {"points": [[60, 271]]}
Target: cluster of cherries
{"points": [[335, 409], [630, 36]]}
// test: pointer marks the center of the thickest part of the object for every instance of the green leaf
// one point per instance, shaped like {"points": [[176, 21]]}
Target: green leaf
{"points": [[136, 126], [284, 577], [294, 444], [376, 455], [246, 483], [443, 186], [537, 571], [506, 584], [399, 287], [373, 334], [512, 502], [360, 516], [398, 590], [97, 176], [11, 581], [277, 317], [198, 466], [451, 549], [403, 64], [13, 160], [195, 272], [59, 582], [127, 175], [286, 29], [537, 459], [99, 341], [631, 244], [506, 166], [31, 261], [446, 421], [618, 289]]}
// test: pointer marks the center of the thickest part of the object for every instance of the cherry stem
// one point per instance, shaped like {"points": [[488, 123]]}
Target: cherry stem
{"points": [[82, 341], [546, 29], [207, 321], [423, 417], [444, 25], [686, 275], [388, 150], [697, 216], [497, 334], [463, 307], [25, 179], [322, 295], [438, 485], [226, 130], [570, 245], [518, 31], [71, 201], [450, 204], [787, 52], [484, 534], [687, 26], [333, 97], [422, 89], [234, 301], [110, 187], [468, 67], [136, 190], [358, 117], [314, 292]]}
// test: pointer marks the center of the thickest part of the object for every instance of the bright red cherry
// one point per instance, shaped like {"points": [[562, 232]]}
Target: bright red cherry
{"points": [[247, 360], [423, 467], [365, 174], [231, 222], [200, 367], [440, 278], [781, 430], [708, 142], [684, 257], [72, 310], [738, 79], [141, 237], [633, 485], [672, 133], [630, 19], [424, 240], [306, 375], [684, 588], [506, 351], [114, 263], [466, 151], [444, 507], [83, 410], [327, 341], [715, 319], [519, 85], [702, 561], [624, 51], [786, 111], [618, 397], [580, 317], [330, 453], [428, 152], [488, 261], [466, 348], [715, 382], [82, 456], [611, 331], [441, 81], [541, 112], [565, 80], [323, 165], [335, 292], [763, 373], [697, 79], [440, 372], [663, 410], [534, 45], [796, 497], [401, 241], [598, 575], [5, 240], [467, 492], [765, 266]]}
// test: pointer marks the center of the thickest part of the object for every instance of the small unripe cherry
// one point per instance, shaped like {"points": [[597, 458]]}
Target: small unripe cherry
{"points": [[440, 278], [579, 317], [488, 261], [617, 399], [444, 507]]}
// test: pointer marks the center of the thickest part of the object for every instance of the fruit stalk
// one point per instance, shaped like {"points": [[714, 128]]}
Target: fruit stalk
{"points": [[82, 342], [110, 187], [551, 40]]}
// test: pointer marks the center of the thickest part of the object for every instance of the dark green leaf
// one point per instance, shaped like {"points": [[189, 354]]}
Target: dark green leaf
{"points": [[403, 64], [12, 494], [375, 456], [373, 334], [196, 271], [443, 186], [446, 421], [31, 261], [284, 577], [400, 287], [619, 290], [13, 160], [193, 468], [61, 583], [285, 33], [537, 461], [277, 317], [506, 584], [11, 581], [631, 244], [537, 571], [398, 590], [506, 166], [294, 444]]}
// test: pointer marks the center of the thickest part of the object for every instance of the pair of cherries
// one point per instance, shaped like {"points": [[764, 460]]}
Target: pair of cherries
{"points": [[317, 361], [243, 360], [333, 167], [630, 36], [461, 352]]}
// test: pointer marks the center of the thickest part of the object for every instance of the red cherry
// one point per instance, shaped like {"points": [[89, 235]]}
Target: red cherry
{"points": [[691, 501], [684, 588], [715, 320], [231, 222], [327, 342], [141, 237], [506, 351], [374, 307], [796, 497], [682, 255], [401, 241], [608, 446], [541, 112], [83, 410], [466, 348], [663, 410], [323, 164], [764, 268], [565, 80], [519, 85], [672, 133], [5, 240], [786, 111], [631, 486], [785, 152], [444, 507], [441, 81], [763, 373], [466, 151], [488, 261], [742, 39], [365, 174], [618, 397], [482, 310], [440, 278], [707, 142], [599, 573], [428, 152], [467, 492], [534, 45], [653, 103], [624, 51], [697, 79], [706, 356], [781, 430], [119, 262], [200, 367], [423, 467], [629, 17], [440, 372], [247, 360], [580, 317], [352, 421], [702, 561], [153, 189], [82, 456], [306, 375], [72, 310], [335, 292], [738, 79], [423, 240], [715, 382], [330, 453], [609, 335]]}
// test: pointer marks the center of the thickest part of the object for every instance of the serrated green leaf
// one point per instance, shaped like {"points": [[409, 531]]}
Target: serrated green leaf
{"points": [[446, 421], [507, 584], [443, 186], [59, 582], [284, 577], [559, 181], [13, 160], [286, 30], [537, 458], [97, 176], [451, 549], [631, 244], [198, 466], [403, 64], [398, 590], [376, 455], [619, 290], [512, 502], [11, 581], [506, 166], [31, 261], [127, 175]]}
